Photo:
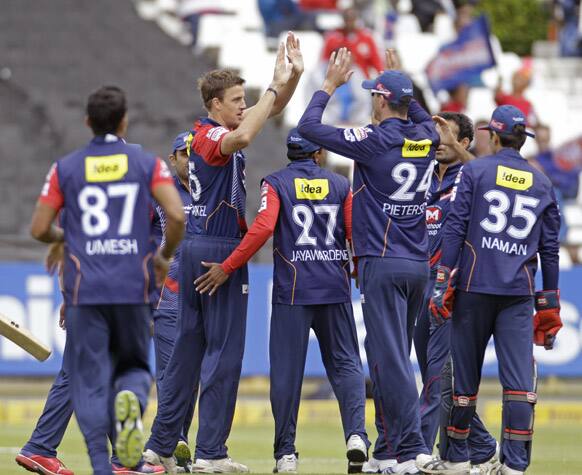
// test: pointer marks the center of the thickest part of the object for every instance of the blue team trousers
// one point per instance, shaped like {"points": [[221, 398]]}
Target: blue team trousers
{"points": [[210, 339], [432, 345], [392, 294], [164, 337], [52, 424], [109, 353], [335, 330], [509, 319]]}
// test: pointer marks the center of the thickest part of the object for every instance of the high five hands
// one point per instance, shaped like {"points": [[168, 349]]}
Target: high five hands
{"points": [[338, 70]]}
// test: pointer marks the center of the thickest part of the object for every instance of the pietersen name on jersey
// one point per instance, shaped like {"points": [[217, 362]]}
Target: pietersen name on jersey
{"points": [[404, 210]]}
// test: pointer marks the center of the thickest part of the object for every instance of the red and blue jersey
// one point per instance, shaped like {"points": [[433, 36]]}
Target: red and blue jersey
{"points": [[309, 211], [217, 184], [393, 166], [169, 294], [438, 201], [105, 189], [503, 214]]}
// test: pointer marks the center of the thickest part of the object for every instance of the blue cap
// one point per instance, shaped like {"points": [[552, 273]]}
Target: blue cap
{"points": [[393, 85], [504, 119], [181, 141], [299, 144]]}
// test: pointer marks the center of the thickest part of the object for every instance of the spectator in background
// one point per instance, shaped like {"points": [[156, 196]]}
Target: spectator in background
{"points": [[358, 40], [425, 11], [567, 14], [481, 146], [318, 4], [458, 98], [284, 15], [565, 181], [520, 81]]}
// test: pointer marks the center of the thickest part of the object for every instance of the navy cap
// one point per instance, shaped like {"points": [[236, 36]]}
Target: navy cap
{"points": [[504, 119], [297, 145], [181, 141], [393, 85]]}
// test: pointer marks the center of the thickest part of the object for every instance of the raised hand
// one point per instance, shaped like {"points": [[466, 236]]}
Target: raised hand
{"points": [[444, 130], [392, 61], [294, 55], [283, 70], [338, 70]]}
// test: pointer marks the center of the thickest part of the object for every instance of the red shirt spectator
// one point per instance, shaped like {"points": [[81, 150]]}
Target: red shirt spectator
{"points": [[520, 82], [359, 41], [318, 4]]}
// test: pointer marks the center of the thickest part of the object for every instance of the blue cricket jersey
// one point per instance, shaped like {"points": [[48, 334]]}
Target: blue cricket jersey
{"points": [[392, 173], [503, 214]]}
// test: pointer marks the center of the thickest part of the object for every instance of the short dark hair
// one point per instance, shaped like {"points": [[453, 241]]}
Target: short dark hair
{"points": [[463, 122], [294, 152], [515, 139], [214, 83], [106, 108], [402, 107]]}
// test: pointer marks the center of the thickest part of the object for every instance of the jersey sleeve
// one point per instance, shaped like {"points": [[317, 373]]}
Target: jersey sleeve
{"points": [[458, 219], [360, 144], [51, 193], [161, 174], [207, 142], [549, 245], [348, 215], [261, 230]]}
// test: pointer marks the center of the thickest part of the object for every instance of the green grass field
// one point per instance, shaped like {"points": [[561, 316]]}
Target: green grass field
{"points": [[557, 450]]}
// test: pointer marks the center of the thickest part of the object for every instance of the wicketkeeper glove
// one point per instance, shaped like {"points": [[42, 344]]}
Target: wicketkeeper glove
{"points": [[443, 295], [547, 321]]}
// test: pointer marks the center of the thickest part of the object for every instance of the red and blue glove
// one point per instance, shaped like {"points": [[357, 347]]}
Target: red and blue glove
{"points": [[547, 321], [443, 295]]}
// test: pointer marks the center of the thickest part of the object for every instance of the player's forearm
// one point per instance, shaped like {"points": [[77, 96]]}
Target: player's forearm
{"points": [[286, 93], [463, 154], [174, 234], [310, 125], [50, 235], [417, 114], [251, 125], [254, 239]]}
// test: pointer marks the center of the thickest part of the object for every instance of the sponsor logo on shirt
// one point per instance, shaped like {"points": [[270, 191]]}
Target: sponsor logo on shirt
{"points": [[514, 179], [215, 133], [264, 191], [316, 189], [358, 134], [433, 215], [245, 289], [416, 148], [105, 168]]}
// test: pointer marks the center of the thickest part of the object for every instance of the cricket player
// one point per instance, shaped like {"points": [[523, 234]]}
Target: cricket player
{"points": [[394, 163], [166, 307], [106, 189], [309, 211], [211, 330], [503, 215]]}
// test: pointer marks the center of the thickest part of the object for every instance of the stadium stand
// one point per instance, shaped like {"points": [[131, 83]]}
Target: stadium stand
{"points": [[91, 44]]}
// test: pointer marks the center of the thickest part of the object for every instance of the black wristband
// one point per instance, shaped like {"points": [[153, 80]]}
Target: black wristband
{"points": [[273, 91]]}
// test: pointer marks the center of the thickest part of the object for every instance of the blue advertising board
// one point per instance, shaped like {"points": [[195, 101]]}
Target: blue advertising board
{"points": [[31, 298]]}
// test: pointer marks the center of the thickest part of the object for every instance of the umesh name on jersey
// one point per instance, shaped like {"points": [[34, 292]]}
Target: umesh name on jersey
{"points": [[503, 214], [105, 189]]}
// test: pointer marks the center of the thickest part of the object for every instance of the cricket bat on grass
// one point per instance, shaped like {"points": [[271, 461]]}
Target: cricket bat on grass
{"points": [[23, 338]]}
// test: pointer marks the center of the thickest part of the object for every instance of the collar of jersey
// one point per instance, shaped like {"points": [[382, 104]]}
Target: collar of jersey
{"points": [[303, 162], [510, 153], [108, 138], [208, 120]]}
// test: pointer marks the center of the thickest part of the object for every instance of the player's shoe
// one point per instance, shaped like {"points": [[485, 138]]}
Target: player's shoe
{"points": [[43, 465], [183, 455], [287, 464], [404, 468], [442, 467], [169, 463], [356, 452], [505, 470], [141, 469], [490, 467], [225, 465], [377, 466], [130, 438]]}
